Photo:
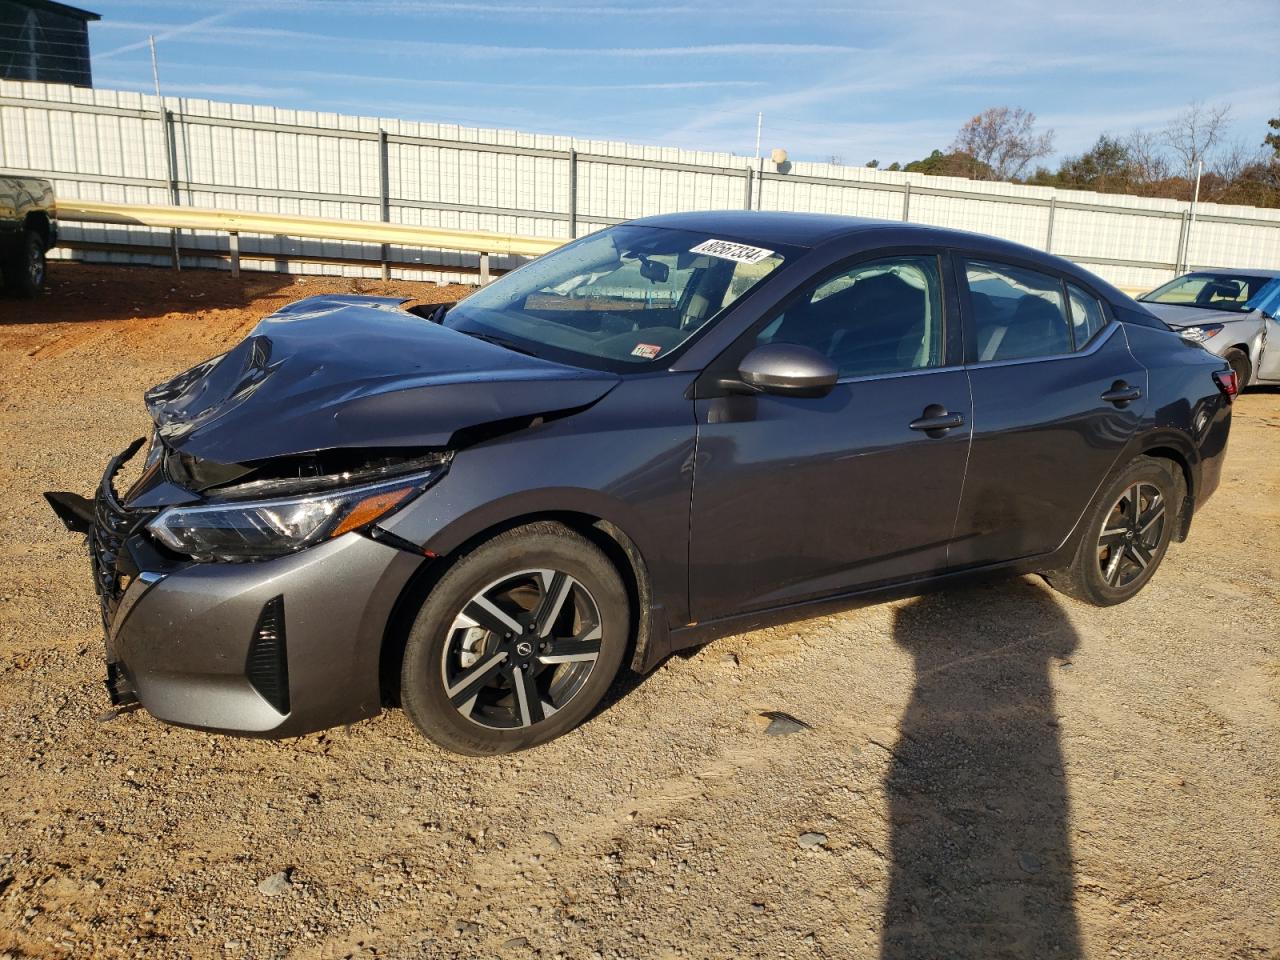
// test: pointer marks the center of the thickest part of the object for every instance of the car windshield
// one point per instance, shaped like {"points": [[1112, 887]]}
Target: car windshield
{"points": [[621, 299], [1211, 291]]}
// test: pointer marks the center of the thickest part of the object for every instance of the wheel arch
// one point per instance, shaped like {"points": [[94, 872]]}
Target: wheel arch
{"points": [[1175, 455], [649, 640], [39, 222]]}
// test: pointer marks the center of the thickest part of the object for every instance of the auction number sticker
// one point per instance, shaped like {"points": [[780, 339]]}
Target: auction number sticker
{"points": [[647, 350], [728, 250]]}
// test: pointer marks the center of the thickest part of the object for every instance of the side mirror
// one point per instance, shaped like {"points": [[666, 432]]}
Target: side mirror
{"points": [[785, 369]]}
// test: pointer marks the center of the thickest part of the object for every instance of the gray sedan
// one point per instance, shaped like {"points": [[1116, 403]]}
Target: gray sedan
{"points": [[1232, 313]]}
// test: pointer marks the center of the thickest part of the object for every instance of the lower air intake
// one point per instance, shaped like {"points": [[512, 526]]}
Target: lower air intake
{"points": [[268, 661]]}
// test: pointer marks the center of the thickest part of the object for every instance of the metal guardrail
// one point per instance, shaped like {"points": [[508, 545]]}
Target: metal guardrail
{"points": [[236, 222]]}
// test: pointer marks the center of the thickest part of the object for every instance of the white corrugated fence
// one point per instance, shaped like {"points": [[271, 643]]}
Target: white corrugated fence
{"points": [[121, 147]]}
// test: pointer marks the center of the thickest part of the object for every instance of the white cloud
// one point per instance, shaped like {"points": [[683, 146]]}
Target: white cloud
{"points": [[863, 79], [270, 36], [166, 32]]}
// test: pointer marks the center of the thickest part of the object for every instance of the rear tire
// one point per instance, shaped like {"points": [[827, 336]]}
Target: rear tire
{"points": [[517, 643], [24, 270], [1239, 361], [1127, 532]]}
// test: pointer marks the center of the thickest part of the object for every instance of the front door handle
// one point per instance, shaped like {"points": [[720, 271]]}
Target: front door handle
{"points": [[936, 421], [1121, 394]]}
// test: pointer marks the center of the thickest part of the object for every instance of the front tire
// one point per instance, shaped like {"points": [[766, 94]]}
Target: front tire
{"points": [[1239, 362], [517, 643], [1127, 533], [24, 271]]}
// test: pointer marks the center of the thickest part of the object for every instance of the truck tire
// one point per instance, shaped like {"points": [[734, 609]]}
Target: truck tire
{"points": [[24, 270]]}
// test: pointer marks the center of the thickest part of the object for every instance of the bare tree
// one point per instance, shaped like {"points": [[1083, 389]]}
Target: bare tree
{"points": [[1193, 134], [1147, 156], [1002, 141], [1233, 158]]}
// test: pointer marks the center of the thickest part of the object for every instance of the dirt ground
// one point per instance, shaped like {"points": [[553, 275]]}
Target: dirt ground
{"points": [[992, 772]]}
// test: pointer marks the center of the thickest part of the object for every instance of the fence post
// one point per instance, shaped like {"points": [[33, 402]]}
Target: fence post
{"points": [[1182, 245], [573, 194], [233, 248], [746, 199], [906, 201], [1048, 240], [384, 197], [484, 269], [171, 165]]}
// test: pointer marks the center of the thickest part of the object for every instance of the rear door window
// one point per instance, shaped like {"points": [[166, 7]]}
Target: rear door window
{"points": [[1015, 313], [1087, 317]]}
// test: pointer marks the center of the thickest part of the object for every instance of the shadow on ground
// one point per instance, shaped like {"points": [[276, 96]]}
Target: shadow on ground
{"points": [[83, 292], [979, 849]]}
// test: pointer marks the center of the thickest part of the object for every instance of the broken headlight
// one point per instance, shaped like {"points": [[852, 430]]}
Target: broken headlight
{"points": [[238, 531]]}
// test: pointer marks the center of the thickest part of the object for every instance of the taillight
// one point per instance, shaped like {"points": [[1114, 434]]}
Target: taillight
{"points": [[1227, 383]]}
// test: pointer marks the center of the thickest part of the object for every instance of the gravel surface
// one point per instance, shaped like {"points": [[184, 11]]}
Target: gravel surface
{"points": [[992, 772]]}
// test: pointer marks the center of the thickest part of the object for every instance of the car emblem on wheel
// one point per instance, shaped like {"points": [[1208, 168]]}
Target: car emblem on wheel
{"points": [[524, 648]]}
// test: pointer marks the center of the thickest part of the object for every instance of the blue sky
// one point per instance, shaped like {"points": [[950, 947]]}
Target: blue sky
{"points": [[852, 79]]}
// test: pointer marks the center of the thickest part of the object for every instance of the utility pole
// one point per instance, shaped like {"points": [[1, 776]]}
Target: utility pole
{"points": [[168, 148], [759, 161], [1195, 199]]}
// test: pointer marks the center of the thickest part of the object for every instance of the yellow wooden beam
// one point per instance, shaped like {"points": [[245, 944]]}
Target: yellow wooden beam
{"points": [[282, 225]]}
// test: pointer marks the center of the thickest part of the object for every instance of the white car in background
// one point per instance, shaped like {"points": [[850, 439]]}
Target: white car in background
{"points": [[1232, 313]]}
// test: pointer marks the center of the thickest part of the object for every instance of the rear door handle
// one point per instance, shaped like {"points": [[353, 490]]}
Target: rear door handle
{"points": [[1121, 393], [936, 421]]}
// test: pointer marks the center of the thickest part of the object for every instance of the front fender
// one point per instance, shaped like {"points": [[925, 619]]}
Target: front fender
{"points": [[628, 461]]}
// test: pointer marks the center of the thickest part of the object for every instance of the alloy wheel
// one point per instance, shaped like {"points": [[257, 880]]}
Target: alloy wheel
{"points": [[1131, 534], [521, 648]]}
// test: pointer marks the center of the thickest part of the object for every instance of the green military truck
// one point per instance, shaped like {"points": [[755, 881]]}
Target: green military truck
{"points": [[28, 227]]}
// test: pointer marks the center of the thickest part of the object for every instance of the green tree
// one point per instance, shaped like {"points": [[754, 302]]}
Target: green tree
{"points": [[1107, 166], [955, 164]]}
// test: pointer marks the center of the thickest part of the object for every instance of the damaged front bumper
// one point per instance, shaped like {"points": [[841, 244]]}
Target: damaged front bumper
{"points": [[274, 648]]}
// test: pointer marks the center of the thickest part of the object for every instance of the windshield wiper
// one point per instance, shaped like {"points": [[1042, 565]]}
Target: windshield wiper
{"points": [[499, 341]]}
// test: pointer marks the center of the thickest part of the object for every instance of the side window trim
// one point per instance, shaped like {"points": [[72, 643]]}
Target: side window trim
{"points": [[1107, 319], [952, 358], [960, 259], [1091, 348]]}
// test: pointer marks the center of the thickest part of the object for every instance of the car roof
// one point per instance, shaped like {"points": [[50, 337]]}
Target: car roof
{"points": [[766, 226], [1233, 272], [819, 229], [814, 230]]}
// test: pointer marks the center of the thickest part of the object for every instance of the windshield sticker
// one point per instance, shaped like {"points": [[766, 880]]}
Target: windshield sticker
{"points": [[646, 350], [728, 250]]}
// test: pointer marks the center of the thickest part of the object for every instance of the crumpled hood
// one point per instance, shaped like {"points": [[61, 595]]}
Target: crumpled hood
{"points": [[1176, 315], [347, 371]]}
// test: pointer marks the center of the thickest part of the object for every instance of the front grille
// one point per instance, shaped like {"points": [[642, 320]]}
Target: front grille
{"points": [[267, 665], [112, 526]]}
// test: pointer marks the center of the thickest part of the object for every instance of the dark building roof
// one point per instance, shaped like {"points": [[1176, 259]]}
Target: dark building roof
{"points": [[62, 8], [45, 41]]}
